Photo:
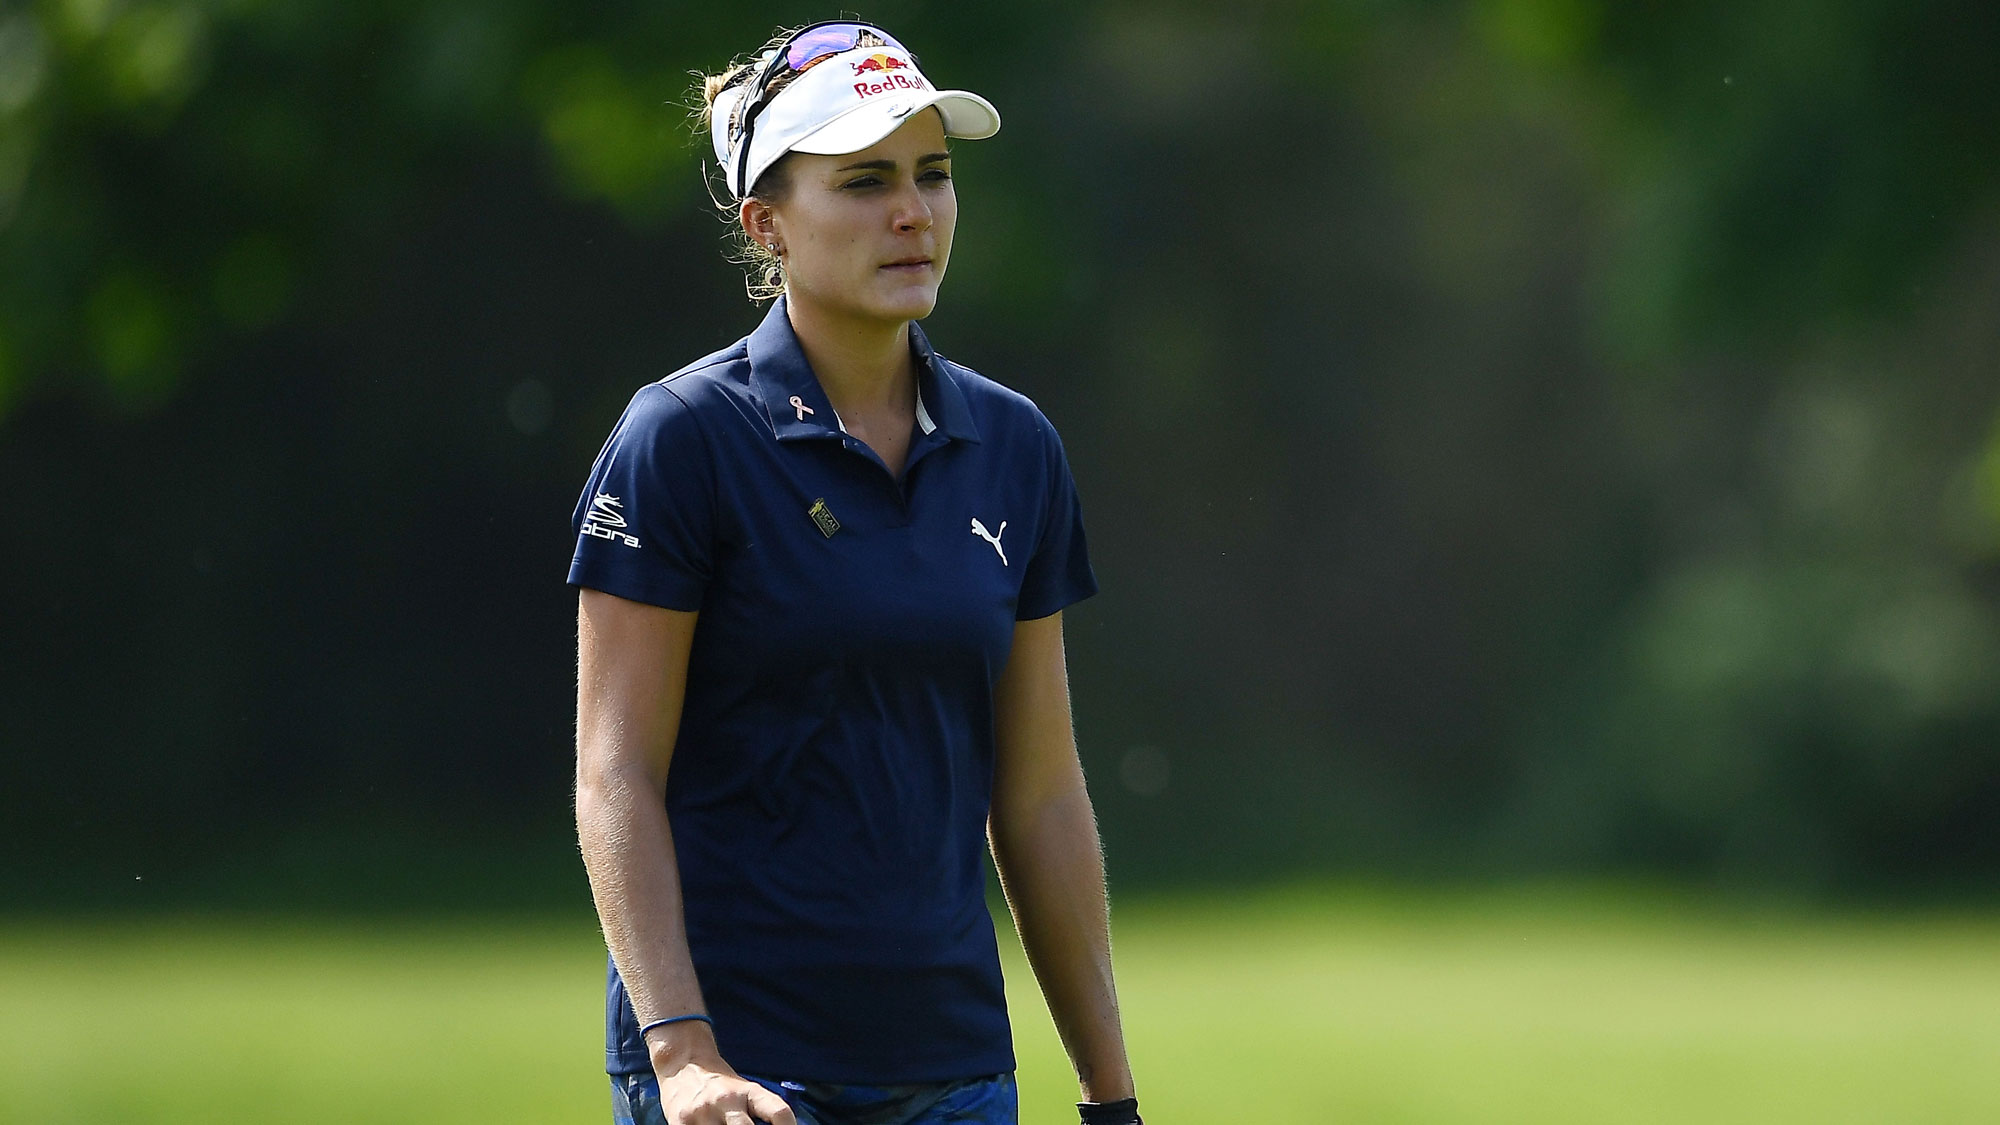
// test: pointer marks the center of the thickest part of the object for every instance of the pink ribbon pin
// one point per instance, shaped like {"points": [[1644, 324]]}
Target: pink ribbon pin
{"points": [[802, 408]]}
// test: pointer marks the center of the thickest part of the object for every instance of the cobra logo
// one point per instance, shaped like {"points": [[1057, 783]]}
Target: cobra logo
{"points": [[605, 521]]}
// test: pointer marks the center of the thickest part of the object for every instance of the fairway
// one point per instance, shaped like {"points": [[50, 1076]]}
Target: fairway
{"points": [[1298, 1006]]}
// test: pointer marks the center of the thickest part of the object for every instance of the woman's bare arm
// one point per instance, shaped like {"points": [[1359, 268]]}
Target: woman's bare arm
{"points": [[1044, 838], [631, 677]]}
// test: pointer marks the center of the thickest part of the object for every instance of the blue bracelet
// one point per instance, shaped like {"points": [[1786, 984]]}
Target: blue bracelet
{"points": [[674, 1019]]}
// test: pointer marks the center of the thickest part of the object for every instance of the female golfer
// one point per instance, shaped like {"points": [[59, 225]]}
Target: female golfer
{"points": [[820, 658]]}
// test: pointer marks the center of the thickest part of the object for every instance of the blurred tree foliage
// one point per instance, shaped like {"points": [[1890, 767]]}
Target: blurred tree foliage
{"points": [[1538, 434]]}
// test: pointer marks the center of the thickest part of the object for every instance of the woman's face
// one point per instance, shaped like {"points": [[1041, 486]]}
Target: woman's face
{"points": [[866, 235]]}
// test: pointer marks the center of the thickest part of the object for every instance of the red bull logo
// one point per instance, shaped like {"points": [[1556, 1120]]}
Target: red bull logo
{"points": [[878, 75], [880, 64]]}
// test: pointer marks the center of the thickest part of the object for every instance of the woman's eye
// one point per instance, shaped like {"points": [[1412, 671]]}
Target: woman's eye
{"points": [[863, 182], [936, 175]]}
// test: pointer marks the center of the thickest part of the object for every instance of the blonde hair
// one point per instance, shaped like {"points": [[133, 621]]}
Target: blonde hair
{"points": [[765, 272]]}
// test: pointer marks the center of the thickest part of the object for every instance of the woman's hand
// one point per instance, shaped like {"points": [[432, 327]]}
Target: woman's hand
{"points": [[708, 1092], [698, 1088]]}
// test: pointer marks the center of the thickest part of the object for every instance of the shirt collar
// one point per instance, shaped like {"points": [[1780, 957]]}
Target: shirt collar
{"points": [[937, 388], [798, 406]]}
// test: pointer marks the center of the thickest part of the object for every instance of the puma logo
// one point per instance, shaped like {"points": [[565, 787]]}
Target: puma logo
{"points": [[992, 537]]}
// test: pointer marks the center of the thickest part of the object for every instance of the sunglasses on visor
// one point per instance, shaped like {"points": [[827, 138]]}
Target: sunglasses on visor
{"points": [[799, 52]]}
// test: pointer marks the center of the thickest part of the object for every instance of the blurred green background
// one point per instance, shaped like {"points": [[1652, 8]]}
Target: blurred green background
{"points": [[1525, 443]]}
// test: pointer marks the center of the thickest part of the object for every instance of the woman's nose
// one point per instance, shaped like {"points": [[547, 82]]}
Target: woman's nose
{"points": [[913, 215]]}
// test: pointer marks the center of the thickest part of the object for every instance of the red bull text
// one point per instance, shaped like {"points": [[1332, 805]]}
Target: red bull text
{"points": [[891, 82], [885, 66]]}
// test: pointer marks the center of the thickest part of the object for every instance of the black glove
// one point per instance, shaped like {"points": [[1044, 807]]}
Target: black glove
{"points": [[1110, 1113]]}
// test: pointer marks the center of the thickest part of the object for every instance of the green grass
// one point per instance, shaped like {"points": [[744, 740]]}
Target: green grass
{"points": [[1306, 1006]]}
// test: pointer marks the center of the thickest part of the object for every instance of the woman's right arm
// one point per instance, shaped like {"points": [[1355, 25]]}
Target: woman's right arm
{"points": [[631, 677]]}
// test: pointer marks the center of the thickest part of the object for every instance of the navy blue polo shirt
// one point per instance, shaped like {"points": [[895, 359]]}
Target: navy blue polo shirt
{"points": [[834, 764]]}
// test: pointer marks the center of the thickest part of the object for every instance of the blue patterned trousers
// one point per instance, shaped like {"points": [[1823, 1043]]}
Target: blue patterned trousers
{"points": [[635, 1100]]}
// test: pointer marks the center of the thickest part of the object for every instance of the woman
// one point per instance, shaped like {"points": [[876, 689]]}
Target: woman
{"points": [[822, 578]]}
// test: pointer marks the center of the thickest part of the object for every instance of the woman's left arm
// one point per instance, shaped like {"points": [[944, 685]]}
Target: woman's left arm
{"points": [[1044, 839]]}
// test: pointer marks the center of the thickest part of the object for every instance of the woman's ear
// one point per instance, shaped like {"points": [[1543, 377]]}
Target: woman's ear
{"points": [[758, 223]]}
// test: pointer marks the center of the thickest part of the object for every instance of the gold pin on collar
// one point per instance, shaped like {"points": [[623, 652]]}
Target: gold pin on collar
{"points": [[823, 517]]}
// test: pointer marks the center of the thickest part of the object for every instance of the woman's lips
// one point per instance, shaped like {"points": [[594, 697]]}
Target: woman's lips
{"points": [[909, 265]]}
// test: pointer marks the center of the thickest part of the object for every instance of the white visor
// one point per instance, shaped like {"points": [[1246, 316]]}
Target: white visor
{"points": [[842, 103]]}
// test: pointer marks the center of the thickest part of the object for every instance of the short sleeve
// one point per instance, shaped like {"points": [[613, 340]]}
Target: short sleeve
{"points": [[645, 525], [1059, 574]]}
